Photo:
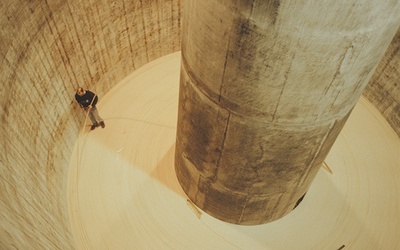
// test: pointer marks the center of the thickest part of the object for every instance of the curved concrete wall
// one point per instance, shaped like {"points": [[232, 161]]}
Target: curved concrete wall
{"points": [[383, 89], [47, 48], [264, 95]]}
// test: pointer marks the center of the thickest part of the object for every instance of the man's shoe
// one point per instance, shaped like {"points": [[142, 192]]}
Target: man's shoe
{"points": [[102, 124], [94, 126]]}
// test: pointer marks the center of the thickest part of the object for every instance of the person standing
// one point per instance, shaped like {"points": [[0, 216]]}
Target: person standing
{"points": [[87, 100]]}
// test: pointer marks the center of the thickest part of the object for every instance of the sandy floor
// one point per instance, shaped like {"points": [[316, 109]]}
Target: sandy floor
{"points": [[123, 193]]}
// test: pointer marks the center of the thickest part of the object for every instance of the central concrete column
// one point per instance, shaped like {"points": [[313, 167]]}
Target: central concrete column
{"points": [[265, 89]]}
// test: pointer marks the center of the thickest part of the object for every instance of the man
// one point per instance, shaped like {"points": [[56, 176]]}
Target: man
{"points": [[87, 100]]}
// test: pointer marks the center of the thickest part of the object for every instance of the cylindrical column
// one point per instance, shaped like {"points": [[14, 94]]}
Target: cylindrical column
{"points": [[265, 88]]}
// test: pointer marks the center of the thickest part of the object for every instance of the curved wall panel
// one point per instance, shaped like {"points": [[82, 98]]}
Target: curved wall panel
{"points": [[47, 49], [383, 89]]}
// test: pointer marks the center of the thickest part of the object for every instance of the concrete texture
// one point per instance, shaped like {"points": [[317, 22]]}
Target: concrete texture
{"points": [[124, 194], [46, 49], [384, 87], [265, 93]]}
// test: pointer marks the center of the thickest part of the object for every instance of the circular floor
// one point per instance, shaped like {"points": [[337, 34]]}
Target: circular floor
{"points": [[123, 192]]}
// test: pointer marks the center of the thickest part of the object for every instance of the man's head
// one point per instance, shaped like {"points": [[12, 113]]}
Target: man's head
{"points": [[80, 91]]}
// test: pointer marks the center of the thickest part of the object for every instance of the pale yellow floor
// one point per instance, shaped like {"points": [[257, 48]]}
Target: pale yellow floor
{"points": [[123, 193]]}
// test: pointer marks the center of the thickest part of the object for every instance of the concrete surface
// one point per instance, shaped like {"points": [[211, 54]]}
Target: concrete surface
{"points": [[47, 48], [264, 95], [123, 192]]}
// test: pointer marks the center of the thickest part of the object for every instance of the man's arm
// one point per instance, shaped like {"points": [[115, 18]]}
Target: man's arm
{"points": [[93, 98], [77, 101]]}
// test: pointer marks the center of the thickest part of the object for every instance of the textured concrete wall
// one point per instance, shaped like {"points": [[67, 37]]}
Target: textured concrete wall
{"points": [[265, 93], [47, 48], [384, 88]]}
